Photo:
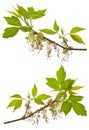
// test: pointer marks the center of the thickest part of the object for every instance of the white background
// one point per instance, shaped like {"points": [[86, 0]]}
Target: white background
{"points": [[19, 70]]}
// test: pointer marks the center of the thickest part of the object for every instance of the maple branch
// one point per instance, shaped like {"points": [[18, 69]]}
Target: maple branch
{"points": [[25, 117], [66, 48]]}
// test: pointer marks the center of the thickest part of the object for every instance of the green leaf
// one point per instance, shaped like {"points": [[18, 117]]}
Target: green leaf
{"points": [[71, 92], [55, 26], [48, 31], [76, 29], [16, 103], [10, 32], [13, 21], [61, 75], [67, 84], [66, 107], [39, 101], [77, 38], [38, 14], [16, 96], [43, 96], [75, 98], [30, 11], [22, 11], [25, 29], [34, 91], [79, 109], [77, 87], [53, 83], [15, 13]]}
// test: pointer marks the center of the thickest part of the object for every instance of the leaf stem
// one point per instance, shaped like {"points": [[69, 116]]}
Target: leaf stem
{"points": [[31, 23]]}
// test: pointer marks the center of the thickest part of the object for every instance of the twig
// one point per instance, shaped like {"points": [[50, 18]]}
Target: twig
{"points": [[66, 48], [23, 117], [40, 109]]}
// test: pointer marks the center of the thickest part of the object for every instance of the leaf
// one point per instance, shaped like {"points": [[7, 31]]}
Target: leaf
{"points": [[10, 32], [16, 103], [66, 107], [15, 13], [77, 38], [61, 75], [75, 98], [76, 29], [13, 21], [34, 91], [30, 11], [22, 11], [48, 31], [79, 109], [39, 101], [16, 96], [38, 14], [25, 29], [67, 84], [71, 92], [43, 96], [55, 26], [53, 83], [77, 87]]}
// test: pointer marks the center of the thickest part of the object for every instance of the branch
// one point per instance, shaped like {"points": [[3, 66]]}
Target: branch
{"points": [[66, 48], [25, 117]]}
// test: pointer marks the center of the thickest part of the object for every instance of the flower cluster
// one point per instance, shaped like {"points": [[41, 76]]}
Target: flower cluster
{"points": [[43, 113]]}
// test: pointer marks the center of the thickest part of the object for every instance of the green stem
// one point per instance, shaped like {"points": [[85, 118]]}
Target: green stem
{"points": [[31, 23], [26, 22]]}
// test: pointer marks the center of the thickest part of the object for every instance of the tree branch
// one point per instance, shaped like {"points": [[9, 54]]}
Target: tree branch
{"points": [[66, 48], [25, 117]]}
